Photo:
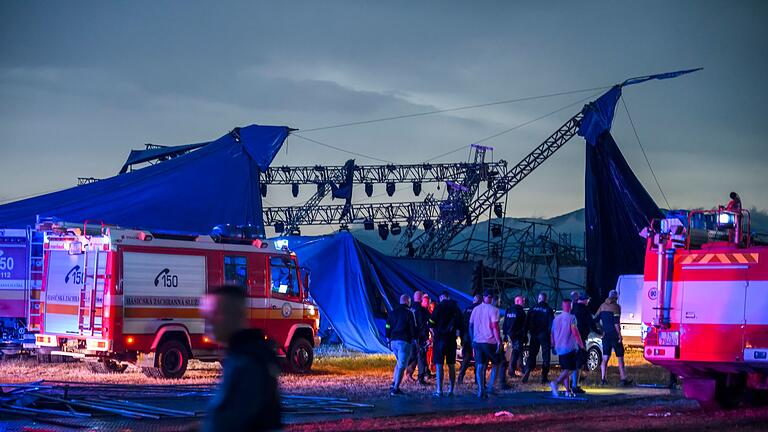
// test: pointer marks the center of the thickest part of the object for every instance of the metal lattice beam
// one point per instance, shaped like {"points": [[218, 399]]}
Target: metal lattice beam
{"points": [[424, 173], [435, 242], [402, 212]]}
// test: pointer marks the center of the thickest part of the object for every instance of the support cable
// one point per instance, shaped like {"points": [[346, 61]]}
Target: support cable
{"points": [[637, 137], [526, 123], [340, 149], [404, 116]]}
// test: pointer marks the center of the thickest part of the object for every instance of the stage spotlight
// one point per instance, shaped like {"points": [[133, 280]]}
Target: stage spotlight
{"points": [[263, 189], [496, 230], [279, 227], [368, 224], [344, 227], [498, 210], [417, 188], [383, 231], [428, 224], [369, 189], [395, 229], [295, 190], [390, 188]]}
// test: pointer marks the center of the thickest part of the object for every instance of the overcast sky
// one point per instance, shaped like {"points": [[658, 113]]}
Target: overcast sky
{"points": [[82, 83]]}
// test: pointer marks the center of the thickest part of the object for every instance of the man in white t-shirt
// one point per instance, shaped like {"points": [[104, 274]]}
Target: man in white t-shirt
{"points": [[486, 342], [566, 342]]}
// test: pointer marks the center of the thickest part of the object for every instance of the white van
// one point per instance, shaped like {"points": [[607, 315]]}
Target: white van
{"points": [[630, 289]]}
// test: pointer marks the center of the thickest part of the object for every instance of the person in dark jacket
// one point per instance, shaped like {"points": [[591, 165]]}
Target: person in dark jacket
{"points": [[248, 397], [515, 334], [400, 333], [466, 341], [445, 322], [539, 326], [585, 323], [421, 317]]}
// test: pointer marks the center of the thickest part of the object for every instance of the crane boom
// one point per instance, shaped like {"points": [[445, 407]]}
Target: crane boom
{"points": [[435, 242]]}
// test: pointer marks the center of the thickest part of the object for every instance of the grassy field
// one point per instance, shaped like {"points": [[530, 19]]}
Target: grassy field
{"points": [[336, 372]]}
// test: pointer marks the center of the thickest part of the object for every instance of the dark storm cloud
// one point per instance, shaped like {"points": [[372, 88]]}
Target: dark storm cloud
{"points": [[90, 80]]}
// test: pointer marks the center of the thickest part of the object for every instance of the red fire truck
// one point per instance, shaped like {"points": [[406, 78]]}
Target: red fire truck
{"points": [[21, 262], [132, 296], [706, 305]]}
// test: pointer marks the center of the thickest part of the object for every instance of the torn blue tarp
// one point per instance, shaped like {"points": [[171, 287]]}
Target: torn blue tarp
{"points": [[215, 184], [617, 206], [161, 153], [355, 287]]}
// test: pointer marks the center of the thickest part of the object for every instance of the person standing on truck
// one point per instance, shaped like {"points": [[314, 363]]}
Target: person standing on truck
{"points": [[446, 322], [250, 364], [609, 315], [586, 324], [515, 334], [567, 341], [400, 332], [539, 326], [466, 340], [486, 341], [734, 204], [419, 357]]}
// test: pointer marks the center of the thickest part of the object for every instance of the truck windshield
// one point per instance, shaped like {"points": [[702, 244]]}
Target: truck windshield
{"points": [[284, 277]]}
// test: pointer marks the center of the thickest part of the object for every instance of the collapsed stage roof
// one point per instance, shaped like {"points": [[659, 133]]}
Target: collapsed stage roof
{"points": [[355, 287], [215, 184]]}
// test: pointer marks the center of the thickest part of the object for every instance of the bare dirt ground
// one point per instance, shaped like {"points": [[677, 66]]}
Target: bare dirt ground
{"points": [[335, 372], [366, 378]]}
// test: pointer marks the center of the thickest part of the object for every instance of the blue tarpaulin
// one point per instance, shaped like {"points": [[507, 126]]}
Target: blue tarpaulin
{"points": [[617, 206], [355, 286], [217, 183]]}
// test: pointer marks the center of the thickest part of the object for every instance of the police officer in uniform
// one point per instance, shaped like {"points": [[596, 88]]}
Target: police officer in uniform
{"points": [[539, 325], [515, 333]]}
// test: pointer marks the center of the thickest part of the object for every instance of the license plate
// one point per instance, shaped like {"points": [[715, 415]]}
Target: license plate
{"points": [[669, 338]]}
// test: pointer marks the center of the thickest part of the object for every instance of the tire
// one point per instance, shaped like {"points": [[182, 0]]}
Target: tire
{"points": [[730, 391], [171, 359], [300, 356], [594, 359]]}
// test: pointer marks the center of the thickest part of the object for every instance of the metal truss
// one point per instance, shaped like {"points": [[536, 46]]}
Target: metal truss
{"points": [[435, 242], [390, 173], [315, 214], [522, 258]]}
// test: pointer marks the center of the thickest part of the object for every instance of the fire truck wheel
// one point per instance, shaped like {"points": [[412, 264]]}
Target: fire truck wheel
{"points": [[300, 356], [172, 359], [594, 358]]}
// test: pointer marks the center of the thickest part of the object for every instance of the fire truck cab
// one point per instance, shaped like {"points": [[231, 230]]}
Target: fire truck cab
{"points": [[132, 296], [706, 305]]}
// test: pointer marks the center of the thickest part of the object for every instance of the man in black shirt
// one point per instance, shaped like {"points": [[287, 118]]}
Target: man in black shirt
{"points": [[515, 333], [419, 357], [539, 326], [446, 323], [585, 324], [400, 333], [467, 354], [250, 364]]}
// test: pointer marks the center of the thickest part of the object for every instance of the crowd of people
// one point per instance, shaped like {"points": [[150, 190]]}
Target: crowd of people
{"points": [[423, 335]]}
